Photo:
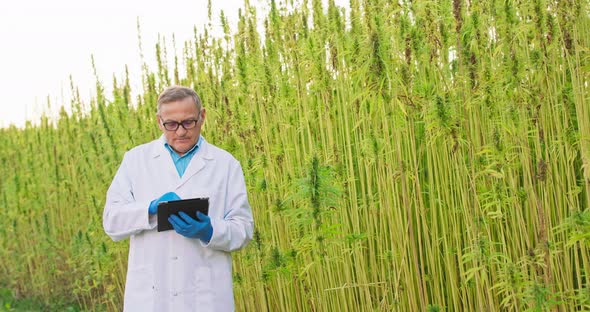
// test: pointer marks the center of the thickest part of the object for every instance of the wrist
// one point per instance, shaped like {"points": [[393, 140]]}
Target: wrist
{"points": [[153, 208], [206, 237]]}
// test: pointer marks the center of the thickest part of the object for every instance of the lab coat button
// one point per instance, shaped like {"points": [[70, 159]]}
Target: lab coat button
{"points": [[175, 258], [175, 294]]}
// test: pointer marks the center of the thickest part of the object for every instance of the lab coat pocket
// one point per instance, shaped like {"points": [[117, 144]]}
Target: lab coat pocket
{"points": [[204, 289], [139, 290]]}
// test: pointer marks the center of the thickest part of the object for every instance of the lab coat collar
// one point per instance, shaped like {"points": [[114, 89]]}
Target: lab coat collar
{"points": [[198, 162]]}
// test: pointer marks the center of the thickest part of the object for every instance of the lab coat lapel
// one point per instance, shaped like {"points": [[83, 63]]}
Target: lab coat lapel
{"points": [[198, 162], [164, 162]]}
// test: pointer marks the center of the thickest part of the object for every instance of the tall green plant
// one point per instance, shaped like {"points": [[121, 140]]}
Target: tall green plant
{"points": [[413, 155]]}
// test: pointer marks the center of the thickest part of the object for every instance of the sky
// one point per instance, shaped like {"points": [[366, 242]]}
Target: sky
{"points": [[43, 43]]}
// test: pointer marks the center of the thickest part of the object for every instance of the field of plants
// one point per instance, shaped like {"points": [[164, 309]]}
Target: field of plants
{"points": [[399, 156]]}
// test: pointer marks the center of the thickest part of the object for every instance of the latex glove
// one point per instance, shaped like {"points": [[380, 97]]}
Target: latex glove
{"points": [[189, 227], [153, 209]]}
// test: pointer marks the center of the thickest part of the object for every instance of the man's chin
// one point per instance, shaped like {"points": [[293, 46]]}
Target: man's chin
{"points": [[182, 147]]}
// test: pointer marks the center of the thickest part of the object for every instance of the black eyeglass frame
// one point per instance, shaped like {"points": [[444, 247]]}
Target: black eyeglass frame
{"points": [[184, 123]]}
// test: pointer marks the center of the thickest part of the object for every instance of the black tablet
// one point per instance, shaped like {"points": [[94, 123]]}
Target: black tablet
{"points": [[188, 206]]}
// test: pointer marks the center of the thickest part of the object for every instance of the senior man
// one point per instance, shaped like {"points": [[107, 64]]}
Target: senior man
{"points": [[188, 269]]}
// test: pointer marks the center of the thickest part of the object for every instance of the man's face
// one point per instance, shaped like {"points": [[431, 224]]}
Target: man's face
{"points": [[181, 140]]}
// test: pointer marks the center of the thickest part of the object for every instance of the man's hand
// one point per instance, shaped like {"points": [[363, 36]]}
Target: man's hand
{"points": [[191, 228], [153, 209]]}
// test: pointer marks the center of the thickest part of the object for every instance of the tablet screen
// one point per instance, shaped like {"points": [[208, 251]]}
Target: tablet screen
{"points": [[188, 206]]}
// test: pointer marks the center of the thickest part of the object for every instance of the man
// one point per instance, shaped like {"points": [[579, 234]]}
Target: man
{"points": [[188, 269]]}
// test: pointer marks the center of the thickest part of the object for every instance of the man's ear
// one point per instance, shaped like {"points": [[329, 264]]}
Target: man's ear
{"points": [[159, 121], [203, 113]]}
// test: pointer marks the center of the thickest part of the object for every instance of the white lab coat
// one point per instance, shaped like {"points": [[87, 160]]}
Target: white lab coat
{"points": [[166, 271]]}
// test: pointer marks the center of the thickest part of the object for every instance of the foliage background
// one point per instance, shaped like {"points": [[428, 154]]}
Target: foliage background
{"points": [[399, 155]]}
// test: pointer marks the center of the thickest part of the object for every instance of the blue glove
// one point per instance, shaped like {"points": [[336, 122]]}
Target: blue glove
{"points": [[153, 209], [191, 228]]}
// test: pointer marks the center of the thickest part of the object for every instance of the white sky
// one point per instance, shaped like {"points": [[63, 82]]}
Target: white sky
{"points": [[44, 42]]}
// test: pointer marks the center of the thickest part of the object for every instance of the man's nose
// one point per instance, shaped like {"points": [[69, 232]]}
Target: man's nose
{"points": [[181, 131]]}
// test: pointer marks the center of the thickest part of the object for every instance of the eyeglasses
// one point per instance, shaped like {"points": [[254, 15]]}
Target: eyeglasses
{"points": [[186, 124]]}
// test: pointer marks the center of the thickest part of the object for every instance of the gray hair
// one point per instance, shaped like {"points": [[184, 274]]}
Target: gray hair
{"points": [[177, 93]]}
